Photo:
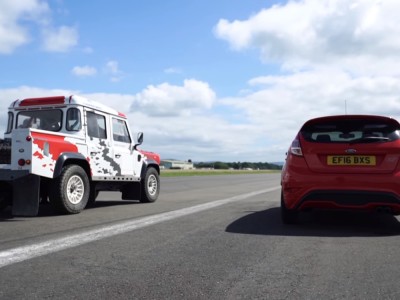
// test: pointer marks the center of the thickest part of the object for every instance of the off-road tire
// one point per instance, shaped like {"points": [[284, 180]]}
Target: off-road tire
{"points": [[150, 186], [92, 195], [289, 216], [5, 196], [70, 191], [4, 202]]}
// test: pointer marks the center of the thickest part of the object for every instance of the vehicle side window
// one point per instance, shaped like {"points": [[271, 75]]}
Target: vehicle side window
{"points": [[10, 122], [96, 125], [120, 131], [74, 122]]}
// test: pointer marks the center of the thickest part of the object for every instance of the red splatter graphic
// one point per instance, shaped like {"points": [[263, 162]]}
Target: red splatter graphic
{"points": [[38, 155], [57, 144]]}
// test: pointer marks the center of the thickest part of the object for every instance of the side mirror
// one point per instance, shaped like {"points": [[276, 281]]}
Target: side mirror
{"points": [[139, 139]]}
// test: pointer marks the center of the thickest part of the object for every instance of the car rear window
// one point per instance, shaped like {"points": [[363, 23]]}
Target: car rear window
{"points": [[47, 119], [350, 131]]}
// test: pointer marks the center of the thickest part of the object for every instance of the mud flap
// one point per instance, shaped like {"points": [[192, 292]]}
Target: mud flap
{"points": [[26, 196], [131, 191]]}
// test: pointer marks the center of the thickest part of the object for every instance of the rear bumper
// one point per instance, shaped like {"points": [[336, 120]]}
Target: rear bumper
{"points": [[342, 191], [10, 175], [352, 200]]}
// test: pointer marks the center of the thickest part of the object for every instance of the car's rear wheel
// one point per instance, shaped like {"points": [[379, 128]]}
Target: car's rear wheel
{"points": [[5, 196], [289, 216], [70, 193], [92, 195]]}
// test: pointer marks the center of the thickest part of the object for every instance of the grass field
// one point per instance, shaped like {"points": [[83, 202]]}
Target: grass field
{"points": [[176, 173]]}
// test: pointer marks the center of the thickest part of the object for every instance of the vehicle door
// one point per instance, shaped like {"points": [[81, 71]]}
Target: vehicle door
{"points": [[125, 155], [98, 142]]}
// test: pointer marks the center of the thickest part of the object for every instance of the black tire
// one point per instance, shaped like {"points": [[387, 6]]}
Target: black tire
{"points": [[45, 184], [4, 202], [150, 186], [289, 216], [92, 195], [70, 192], [5, 196]]}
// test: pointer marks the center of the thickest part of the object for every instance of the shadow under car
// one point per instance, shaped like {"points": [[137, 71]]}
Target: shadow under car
{"points": [[318, 223]]}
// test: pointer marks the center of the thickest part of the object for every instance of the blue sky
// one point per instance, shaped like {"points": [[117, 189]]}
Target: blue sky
{"points": [[152, 42], [228, 80]]}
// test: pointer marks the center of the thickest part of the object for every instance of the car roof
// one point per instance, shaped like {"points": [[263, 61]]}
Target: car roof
{"points": [[351, 117], [54, 101]]}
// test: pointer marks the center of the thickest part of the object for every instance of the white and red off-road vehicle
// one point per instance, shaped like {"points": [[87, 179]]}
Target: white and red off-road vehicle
{"points": [[67, 149]]}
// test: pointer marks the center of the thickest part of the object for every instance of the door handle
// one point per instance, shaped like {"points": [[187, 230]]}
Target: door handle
{"points": [[117, 155]]}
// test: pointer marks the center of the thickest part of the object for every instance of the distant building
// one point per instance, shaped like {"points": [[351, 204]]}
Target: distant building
{"points": [[176, 164]]}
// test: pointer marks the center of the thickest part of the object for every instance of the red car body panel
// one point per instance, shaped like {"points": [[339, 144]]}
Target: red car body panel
{"points": [[310, 181]]}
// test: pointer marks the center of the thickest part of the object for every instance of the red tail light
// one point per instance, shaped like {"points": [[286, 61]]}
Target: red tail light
{"points": [[295, 148], [21, 162]]}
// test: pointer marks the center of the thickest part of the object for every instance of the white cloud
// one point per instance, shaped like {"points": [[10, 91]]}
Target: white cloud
{"points": [[173, 70], [9, 95], [8, 42], [281, 104], [13, 33], [180, 122], [17, 18], [331, 52], [88, 50], [197, 137], [120, 102], [21, 92], [112, 68], [197, 134], [83, 71], [172, 100], [360, 36], [60, 39], [200, 135]]}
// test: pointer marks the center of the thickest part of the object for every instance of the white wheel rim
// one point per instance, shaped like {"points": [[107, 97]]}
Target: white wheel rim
{"points": [[75, 189], [152, 185]]}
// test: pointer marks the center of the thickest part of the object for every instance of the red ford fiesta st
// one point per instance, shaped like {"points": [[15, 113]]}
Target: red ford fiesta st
{"points": [[343, 162]]}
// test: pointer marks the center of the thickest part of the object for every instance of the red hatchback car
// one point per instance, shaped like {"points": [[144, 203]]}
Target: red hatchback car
{"points": [[343, 162]]}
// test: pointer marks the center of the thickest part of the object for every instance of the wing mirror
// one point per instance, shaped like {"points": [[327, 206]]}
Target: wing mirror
{"points": [[139, 139]]}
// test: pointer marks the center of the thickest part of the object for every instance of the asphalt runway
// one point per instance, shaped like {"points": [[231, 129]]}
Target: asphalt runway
{"points": [[212, 237]]}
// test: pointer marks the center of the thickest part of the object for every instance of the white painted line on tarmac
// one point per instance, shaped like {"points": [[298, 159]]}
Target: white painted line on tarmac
{"points": [[19, 254]]}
